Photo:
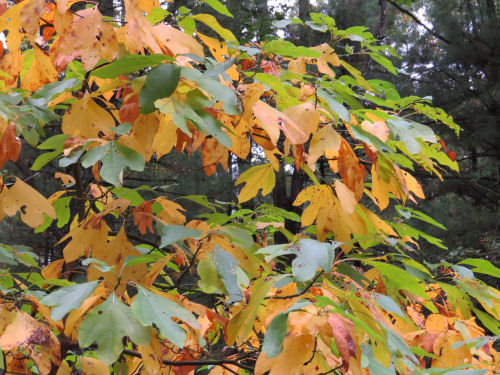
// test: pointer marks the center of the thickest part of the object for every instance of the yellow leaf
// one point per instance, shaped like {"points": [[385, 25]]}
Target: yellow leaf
{"points": [[256, 178], [166, 136], [85, 238], [171, 213], [142, 136], [306, 117], [297, 66], [296, 351], [220, 52], [346, 197], [328, 55], [178, 42], [32, 205], [86, 118], [324, 139], [114, 254], [212, 22], [93, 366], [213, 154], [319, 196], [250, 95], [413, 185], [272, 121]]}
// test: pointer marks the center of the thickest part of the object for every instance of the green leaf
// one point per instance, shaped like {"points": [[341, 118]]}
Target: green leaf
{"points": [[276, 332], [388, 304], [151, 308], [219, 7], [227, 269], [161, 82], [209, 281], [239, 236], [219, 91], [212, 22], [68, 298], [285, 48], [482, 266], [128, 64], [63, 212], [115, 158], [107, 324], [122, 129], [409, 131], [50, 90], [173, 233], [44, 159], [384, 61], [311, 255], [7, 256], [489, 322], [157, 15], [334, 105], [396, 279]]}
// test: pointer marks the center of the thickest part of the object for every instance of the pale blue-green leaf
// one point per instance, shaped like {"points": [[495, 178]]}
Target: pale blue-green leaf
{"points": [[311, 255], [226, 267], [68, 298], [173, 233], [151, 308], [482, 266], [107, 324], [276, 332]]}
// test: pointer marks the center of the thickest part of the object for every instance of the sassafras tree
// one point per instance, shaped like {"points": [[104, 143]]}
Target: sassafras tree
{"points": [[102, 99]]}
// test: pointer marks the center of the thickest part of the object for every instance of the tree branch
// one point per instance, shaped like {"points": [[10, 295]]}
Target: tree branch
{"points": [[415, 18]]}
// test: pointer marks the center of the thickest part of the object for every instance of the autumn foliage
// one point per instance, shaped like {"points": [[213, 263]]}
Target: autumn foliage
{"points": [[101, 99]]}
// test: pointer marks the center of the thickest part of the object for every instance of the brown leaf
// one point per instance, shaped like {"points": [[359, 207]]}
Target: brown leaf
{"points": [[10, 145]]}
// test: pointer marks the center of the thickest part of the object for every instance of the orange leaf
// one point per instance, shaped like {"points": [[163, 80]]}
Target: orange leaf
{"points": [[213, 154], [93, 366], [143, 217], [65, 178], [352, 173], [10, 145], [53, 270]]}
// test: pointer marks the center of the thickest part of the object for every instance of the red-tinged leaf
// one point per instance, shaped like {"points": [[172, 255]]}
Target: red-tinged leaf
{"points": [[36, 338], [343, 339], [10, 145], [143, 217], [270, 68], [247, 64], [452, 155]]}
